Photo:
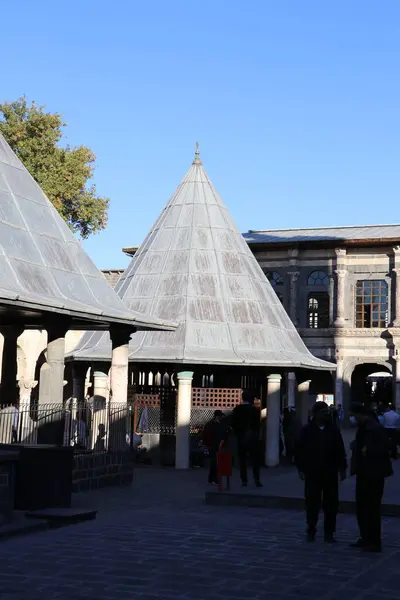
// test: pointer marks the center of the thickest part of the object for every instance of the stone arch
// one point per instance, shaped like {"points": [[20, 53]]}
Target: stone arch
{"points": [[356, 377]]}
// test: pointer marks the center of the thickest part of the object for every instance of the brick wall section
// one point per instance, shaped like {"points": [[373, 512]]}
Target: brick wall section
{"points": [[113, 276], [101, 470], [6, 492]]}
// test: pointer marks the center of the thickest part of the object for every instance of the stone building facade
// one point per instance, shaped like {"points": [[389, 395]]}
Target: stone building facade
{"points": [[340, 288]]}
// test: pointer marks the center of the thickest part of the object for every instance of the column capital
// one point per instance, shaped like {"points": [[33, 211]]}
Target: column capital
{"points": [[341, 273], [185, 376], [56, 330], [396, 251], [293, 275], [274, 378], [27, 384], [120, 336], [340, 252], [12, 331]]}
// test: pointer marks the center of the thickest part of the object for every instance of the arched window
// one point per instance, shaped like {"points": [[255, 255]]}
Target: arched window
{"points": [[318, 278], [318, 310], [372, 303], [276, 280]]}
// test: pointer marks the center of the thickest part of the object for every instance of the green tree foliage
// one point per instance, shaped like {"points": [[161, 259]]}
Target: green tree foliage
{"points": [[61, 171]]}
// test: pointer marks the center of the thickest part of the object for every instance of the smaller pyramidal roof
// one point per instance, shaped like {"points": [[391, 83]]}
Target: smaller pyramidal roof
{"points": [[43, 266], [195, 268]]}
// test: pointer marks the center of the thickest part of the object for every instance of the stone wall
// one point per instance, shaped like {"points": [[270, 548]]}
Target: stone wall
{"points": [[6, 491], [93, 471]]}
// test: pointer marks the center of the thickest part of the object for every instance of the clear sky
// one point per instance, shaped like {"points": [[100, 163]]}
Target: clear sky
{"points": [[296, 104]]}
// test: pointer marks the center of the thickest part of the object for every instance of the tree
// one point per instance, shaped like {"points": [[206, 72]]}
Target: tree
{"points": [[61, 171]]}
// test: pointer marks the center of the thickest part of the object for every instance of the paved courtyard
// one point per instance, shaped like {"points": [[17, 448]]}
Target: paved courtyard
{"points": [[158, 540]]}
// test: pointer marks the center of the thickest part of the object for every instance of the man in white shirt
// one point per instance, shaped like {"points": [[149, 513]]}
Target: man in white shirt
{"points": [[390, 423]]}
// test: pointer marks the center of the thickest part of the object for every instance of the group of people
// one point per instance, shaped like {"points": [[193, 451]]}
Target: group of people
{"points": [[321, 461], [244, 422], [319, 454]]}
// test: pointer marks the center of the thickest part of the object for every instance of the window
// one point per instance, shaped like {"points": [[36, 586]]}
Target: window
{"points": [[318, 278], [318, 310], [276, 280], [371, 303]]}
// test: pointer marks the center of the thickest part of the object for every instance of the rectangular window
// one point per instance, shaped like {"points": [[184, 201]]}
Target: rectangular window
{"points": [[372, 304]]}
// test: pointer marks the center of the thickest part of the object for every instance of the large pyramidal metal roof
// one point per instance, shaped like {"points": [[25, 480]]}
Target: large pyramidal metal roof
{"points": [[195, 268], [43, 267]]}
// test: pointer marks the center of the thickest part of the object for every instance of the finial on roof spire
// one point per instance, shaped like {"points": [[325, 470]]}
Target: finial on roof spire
{"points": [[197, 160]]}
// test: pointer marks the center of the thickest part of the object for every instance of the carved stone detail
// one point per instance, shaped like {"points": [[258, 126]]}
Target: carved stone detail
{"points": [[25, 388], [340, 278], [293, 295]]}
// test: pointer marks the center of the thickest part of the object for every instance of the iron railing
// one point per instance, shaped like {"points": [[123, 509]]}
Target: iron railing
{"points": [[88, 428]]}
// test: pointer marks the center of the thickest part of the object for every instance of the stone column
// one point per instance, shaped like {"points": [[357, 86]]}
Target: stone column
{"points": [[293, 296], [396, 287], [291, 389], [304, 402], [184, 405], [52, 373], [273, 430], [99, 432], [9, 369], [26, 427], [341, 272], [119, 364]]}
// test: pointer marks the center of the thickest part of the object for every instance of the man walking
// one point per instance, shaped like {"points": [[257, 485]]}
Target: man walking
{"points": [[371, 464], [320, 458], [246, 421]]}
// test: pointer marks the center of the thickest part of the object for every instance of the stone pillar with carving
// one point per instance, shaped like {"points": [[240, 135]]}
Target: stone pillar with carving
{"points": [[341, 273], [26, 427], [396, 271], [294, 275]]}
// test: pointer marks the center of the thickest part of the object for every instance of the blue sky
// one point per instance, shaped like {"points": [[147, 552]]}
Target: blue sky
{"points": [[296, 104]]}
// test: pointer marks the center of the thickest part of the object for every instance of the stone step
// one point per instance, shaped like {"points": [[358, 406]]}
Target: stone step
{"points": [[58, 517], [252, 500]]}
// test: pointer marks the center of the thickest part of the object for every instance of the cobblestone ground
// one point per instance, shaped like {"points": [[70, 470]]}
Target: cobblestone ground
{"points": [[159, 541]]}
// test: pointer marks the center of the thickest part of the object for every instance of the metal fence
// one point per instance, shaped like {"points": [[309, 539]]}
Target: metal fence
{"points": [[88, 428]]}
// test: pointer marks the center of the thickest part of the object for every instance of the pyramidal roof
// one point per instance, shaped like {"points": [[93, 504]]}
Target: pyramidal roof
{"points": [[195, 268], [43, 267]]}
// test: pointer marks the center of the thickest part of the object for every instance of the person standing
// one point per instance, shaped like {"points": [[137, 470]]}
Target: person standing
{"points": [[320, 458], [213, 433], [246, 422], [371, 465]]}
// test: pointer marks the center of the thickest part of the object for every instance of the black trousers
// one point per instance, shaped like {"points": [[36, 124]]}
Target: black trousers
{"points": [[213, 472], [393, 438], [322, 491], [246, 450], [369, 494]]}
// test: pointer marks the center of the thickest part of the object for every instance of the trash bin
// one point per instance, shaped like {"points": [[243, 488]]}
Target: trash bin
{"points": [[43, 476]]}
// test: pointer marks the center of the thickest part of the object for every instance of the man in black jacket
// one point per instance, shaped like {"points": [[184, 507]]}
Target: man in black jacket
{"points": [[371, 464], [246, 421], [320, 458]]}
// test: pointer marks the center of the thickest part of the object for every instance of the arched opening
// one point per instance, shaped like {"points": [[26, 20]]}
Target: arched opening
{"points": [[318, 310], [276, 280], [371, 384]]}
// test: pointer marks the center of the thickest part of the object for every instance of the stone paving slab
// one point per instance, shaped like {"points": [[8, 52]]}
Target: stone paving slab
{"points": [[158, 540]]}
